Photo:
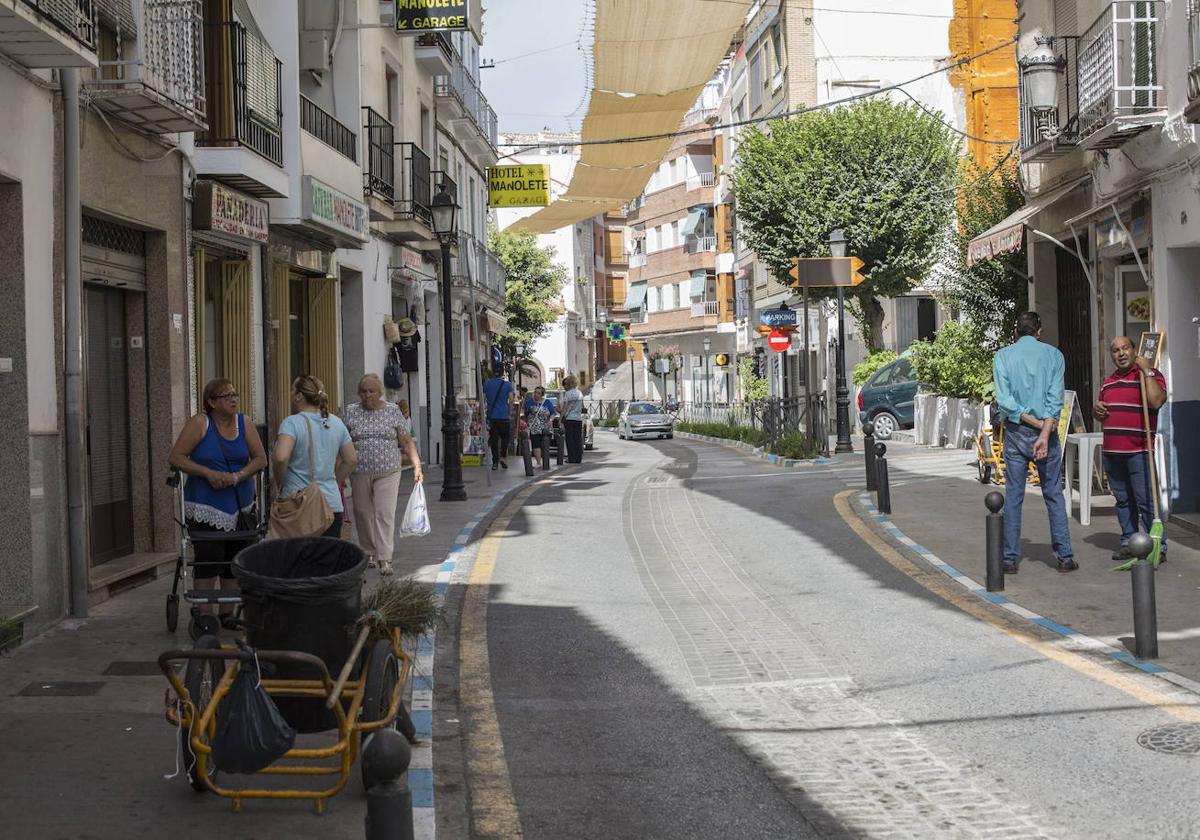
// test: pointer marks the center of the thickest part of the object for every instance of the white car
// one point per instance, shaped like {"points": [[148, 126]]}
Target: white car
{"points": [[645, 420]]}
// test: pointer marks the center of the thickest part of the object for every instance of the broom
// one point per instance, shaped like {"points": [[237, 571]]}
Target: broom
{"points": [[1156, 527]]}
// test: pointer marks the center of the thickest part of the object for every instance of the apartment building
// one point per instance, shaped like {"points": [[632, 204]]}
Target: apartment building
{"points": [[1108, 100]]}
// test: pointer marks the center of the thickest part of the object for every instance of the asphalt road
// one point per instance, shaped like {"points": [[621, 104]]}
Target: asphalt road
{"points": [[682, 641]]}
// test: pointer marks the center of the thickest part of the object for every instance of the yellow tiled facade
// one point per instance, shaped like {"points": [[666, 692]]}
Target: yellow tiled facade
{"points": [[988, 84]]}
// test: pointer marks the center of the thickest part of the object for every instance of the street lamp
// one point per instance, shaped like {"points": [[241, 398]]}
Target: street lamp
{"points": [[1041, 71], [837, 249], [445, 225], [707, 378], [519, 349]]}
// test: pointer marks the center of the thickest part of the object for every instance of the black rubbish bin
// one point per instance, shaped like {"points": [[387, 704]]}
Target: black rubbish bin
{"points": [[302, 594]]}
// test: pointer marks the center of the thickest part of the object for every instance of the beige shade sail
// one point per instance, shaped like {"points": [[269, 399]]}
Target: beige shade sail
{"points": [[651, 63]]}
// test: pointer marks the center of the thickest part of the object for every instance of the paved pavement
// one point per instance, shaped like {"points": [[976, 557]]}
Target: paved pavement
{"points": [[92, 765], [738, 661]]}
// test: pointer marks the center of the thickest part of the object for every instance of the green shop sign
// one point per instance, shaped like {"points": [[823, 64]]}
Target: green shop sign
{"points": [[334, 209]]}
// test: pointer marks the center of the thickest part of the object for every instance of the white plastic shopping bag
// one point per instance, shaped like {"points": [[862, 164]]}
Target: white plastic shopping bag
{"points": [[416, 515]]}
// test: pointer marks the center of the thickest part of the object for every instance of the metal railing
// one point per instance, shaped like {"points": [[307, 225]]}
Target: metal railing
{"points": [[638, 316], [416, 193], [484, 272], [439, 40], [1058, 129], [637, 259], [703, 179], [380, 176], [704, 308], [247, 113], [326, 128], [1121, 64], [773, 418], [438, 178], [76, 18], [701, 244], [460, 85]]}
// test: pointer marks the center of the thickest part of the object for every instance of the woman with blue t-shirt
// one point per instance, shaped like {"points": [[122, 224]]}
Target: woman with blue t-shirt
{"points": [[333, 453]]}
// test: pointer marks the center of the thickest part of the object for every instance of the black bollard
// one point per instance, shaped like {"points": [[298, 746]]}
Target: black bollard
{"points": [[389, 801], [545, 450], [560, 434], [883, 492], [1145, 611], [994, 541], [527, 452], [869, 454]]}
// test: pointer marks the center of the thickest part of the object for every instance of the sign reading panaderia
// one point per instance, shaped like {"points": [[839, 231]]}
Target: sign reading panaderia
{"points": [[424, 15], [217, 207], [525, 185]]}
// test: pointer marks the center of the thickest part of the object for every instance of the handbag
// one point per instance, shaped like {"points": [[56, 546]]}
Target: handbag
{"points": [[393, 373], [305, 513]]}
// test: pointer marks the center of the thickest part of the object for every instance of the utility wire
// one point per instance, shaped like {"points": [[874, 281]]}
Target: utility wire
{"points": [[749, 3], [499, 61]]}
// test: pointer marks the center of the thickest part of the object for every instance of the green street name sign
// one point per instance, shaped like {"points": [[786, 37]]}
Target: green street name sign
{"points": [[425, 15]]}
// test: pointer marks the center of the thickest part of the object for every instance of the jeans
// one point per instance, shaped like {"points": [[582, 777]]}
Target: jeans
{"points": [[1018, 453], [1129, 480], [499, 432], [574, 430]]}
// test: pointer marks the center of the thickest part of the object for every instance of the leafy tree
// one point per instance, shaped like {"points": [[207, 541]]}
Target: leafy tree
{"points": [[993, 292], [957, 363], [883, 172], [863, 370], [754, 387], [533, 283]]}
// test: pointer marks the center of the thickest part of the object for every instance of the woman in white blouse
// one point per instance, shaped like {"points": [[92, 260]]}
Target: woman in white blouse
{"points": [[379, 432]]}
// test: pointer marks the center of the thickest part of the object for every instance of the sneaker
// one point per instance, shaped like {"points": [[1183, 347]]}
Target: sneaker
{"points": [[495, 467], [1122, 554], [1010, 568], [1068, 565]]}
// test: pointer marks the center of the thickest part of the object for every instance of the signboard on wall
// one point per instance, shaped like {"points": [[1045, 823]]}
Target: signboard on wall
{"points": [[333, 209], [524, 185], [425, 15], [218, 208]]}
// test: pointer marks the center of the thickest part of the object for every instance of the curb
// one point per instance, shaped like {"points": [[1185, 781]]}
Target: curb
{"points": [[1079, 640], [758, 451], [420, 771]]}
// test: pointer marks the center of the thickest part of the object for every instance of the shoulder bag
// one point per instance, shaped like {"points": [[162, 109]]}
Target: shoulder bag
{"points": [[305, 513]]}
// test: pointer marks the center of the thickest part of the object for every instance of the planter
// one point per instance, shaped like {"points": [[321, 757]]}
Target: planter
{"points": [[923, 418], [967, 423], [947, 421]]}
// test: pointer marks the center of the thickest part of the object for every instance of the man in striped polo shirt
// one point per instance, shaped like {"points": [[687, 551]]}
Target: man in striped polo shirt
{"points": [[1125, 448]]}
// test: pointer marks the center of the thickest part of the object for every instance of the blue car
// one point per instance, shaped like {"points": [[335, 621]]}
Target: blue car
{"points": [[889, 398]]}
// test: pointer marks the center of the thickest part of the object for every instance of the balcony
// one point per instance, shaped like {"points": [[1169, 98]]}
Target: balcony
{"points": [[1121, 68], [413, 219], [243, 145], [1051, 134], [326, 128], [637, 259], [700, 181], [701, 244], [379, 177], [151, 68], [434, 53], [1192, 111], [467, 111], [49, 33], [476, 268], [705, 309]]}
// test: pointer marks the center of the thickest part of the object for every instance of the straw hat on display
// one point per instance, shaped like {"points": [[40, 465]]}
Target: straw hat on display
{"points": [[406, 328]]}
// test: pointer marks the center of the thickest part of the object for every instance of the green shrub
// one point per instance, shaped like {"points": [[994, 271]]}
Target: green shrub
{"points": [[606, 423], [795, 445], [864, 369], [957, 363]]}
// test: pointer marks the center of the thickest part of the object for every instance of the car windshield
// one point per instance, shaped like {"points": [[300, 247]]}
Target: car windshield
{"points": [[644, 408]]}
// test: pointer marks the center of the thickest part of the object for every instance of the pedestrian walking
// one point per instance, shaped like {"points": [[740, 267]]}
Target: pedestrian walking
{"points": [[537, 411], [220, 453], [1029, 391], [313, 447], [1127, 444], [571, 408], [380, 433], [498, 392]]}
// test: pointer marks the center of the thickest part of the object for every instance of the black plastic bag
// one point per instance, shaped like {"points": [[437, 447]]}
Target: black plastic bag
{"points": [[251, 733]]}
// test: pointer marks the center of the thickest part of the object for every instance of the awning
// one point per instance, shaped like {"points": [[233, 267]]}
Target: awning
{"points": [[693, 221], [1006, 237], [636, 296], [496, 323], [699, 282]]}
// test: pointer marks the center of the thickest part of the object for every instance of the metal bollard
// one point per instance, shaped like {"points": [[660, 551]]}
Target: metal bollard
{"points": [[994, 541], [527, 452], [545, 450], [1145, 611], [869, 454], [560, 434], [389, 801], [883, 493]]}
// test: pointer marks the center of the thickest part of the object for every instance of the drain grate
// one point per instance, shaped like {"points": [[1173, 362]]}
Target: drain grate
{"points": [[60, 689], [1176, 739], [132, 669]]}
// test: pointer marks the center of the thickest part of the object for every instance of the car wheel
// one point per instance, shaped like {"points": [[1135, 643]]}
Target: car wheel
{"points": [[885, 425]]}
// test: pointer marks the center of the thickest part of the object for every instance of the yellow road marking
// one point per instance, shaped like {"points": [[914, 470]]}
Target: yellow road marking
{"points": [[493, 807], [1181, 706]]}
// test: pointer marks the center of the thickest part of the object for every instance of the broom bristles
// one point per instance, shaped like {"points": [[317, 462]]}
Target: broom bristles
{"points": [[404, 604]]}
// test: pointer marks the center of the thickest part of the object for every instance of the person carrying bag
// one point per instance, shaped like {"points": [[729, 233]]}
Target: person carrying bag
{"points": [[304, 513]]}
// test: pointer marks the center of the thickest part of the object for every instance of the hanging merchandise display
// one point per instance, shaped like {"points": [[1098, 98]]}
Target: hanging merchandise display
{"points": [[406, 345]]}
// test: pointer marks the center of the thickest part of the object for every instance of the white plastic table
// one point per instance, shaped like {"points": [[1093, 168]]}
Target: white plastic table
{"points": [[1083, 447]]}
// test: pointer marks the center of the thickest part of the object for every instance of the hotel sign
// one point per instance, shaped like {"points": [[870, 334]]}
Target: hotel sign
{"points": [[423, 15], [217, 208], [330, 208]]}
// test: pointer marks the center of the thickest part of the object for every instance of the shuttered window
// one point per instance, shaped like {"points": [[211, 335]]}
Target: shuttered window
{"points": [[322, 337], [224, 326]]}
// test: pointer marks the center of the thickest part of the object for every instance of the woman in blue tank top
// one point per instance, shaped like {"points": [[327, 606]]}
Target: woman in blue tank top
{"points": [[221, 453]]}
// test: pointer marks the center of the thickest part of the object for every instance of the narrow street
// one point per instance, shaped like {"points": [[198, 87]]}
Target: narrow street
{"points": [[734, 661]]}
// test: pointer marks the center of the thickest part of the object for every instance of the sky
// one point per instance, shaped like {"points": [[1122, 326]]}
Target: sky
{"points": [[534, 91]]}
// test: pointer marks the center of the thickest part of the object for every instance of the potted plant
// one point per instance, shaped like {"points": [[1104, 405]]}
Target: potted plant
{"points": [[955, 370]]}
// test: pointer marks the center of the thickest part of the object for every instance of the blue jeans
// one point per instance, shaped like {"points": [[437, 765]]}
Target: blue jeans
{"points": [[1018, 453], [1129, 480]]}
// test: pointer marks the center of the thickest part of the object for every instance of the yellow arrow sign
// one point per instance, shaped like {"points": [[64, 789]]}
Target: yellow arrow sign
{"points": [[819, 272]]}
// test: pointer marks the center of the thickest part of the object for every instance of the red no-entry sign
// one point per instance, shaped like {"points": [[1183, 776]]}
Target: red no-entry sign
{"points": [[778, 340]]}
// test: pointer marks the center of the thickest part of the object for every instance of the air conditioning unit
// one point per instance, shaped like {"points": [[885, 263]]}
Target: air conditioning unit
{"points": [[314, 50]]}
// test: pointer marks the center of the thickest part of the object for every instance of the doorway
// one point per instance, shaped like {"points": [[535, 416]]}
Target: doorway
{"points": [[1075, 329]]}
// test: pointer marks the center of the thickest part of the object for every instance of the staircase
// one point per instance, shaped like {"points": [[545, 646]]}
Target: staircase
{"points": [[615, 384]]}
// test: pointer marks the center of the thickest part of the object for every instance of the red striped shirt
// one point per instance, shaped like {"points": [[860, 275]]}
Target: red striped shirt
{"points": [[1124, 427]]}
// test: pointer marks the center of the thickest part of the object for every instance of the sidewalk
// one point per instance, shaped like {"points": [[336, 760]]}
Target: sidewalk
{"points": [[84, 746], [946, 515]]}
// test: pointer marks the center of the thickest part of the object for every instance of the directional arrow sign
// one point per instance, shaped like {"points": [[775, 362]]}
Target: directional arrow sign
{"points": [[817, 272]]}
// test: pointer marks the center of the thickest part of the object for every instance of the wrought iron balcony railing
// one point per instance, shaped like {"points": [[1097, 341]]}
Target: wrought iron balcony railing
{"points": [[1121, 65], [438, 178], [704, 308], [76, 18], [476, 265], [379, 179], [439, 40], [244, 79], [699, 180], [416, 192], [326, 128], [460, 85]]}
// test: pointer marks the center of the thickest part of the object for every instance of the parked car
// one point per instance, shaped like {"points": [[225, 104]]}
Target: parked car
{"points": [[888, 399], [589, 430], [642, 420]]}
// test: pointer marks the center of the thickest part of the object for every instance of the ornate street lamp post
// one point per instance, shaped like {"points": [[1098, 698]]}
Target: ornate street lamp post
{"points": [[707, 377], [445, 225], [837, 249]]}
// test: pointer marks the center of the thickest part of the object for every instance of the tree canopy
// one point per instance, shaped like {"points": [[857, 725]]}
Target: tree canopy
{"points": [[883, 172], [534, 282]]}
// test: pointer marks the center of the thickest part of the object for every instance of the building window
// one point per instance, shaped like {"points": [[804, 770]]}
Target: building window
{"points": [[756, 82], [675, 240], [777, 47], [668, 296]]}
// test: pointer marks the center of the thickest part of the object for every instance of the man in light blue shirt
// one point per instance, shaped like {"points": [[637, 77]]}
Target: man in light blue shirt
{"points": [[1029, 393]]}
